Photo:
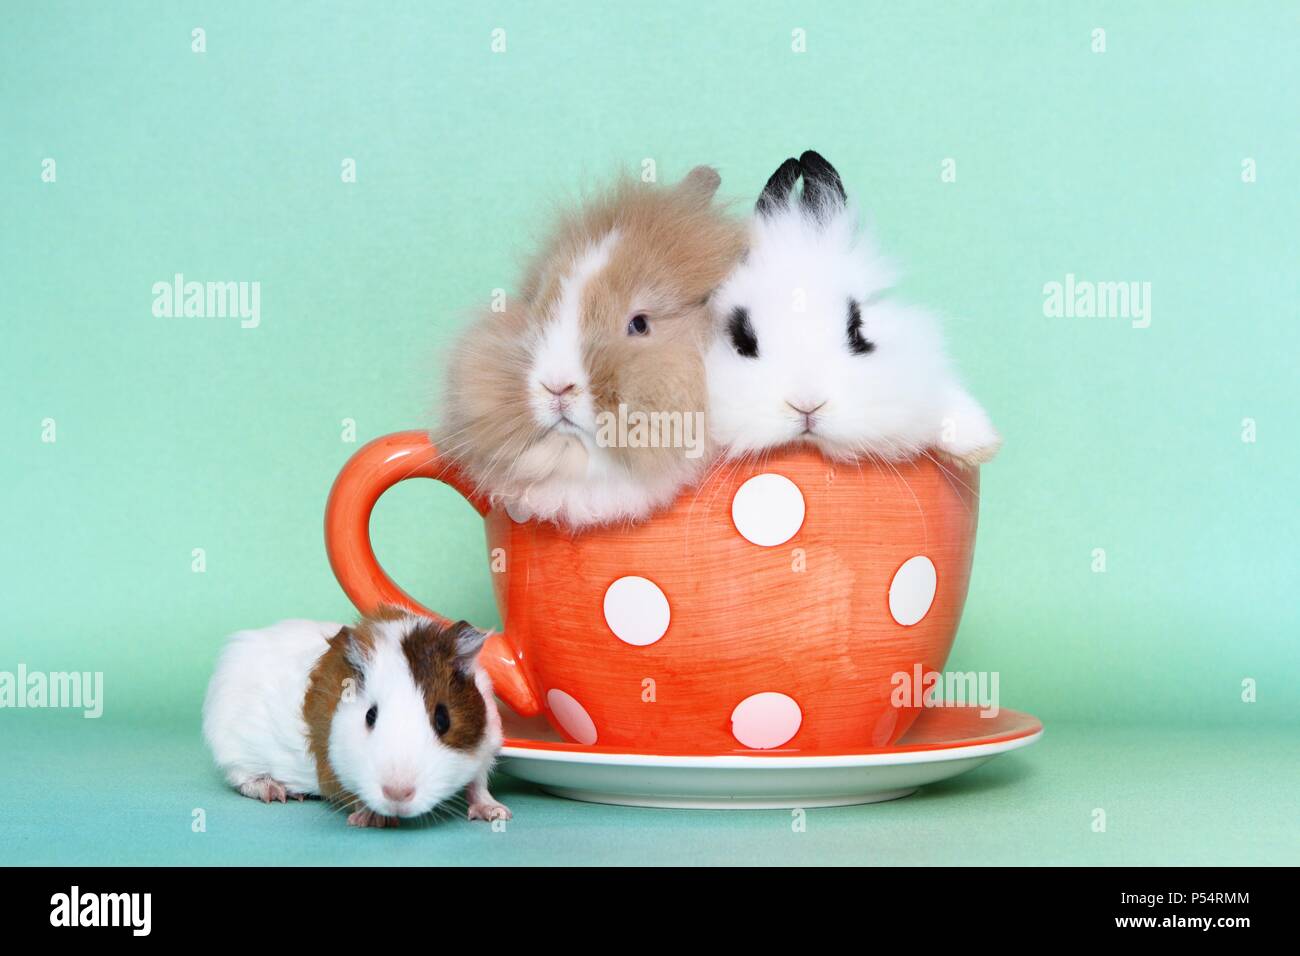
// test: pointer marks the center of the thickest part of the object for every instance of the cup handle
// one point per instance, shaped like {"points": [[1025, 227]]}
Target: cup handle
{"points": [[375, 468]]}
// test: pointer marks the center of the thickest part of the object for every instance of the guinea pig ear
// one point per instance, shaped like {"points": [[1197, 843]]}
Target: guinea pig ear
{"points": [[355, 651], [700, 183], [823, 192], [467, 641], [776, 194]]}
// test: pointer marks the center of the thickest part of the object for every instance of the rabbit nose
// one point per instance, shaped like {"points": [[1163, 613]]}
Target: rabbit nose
{"points": [[806, 408], [561, 389], [399, 792]]}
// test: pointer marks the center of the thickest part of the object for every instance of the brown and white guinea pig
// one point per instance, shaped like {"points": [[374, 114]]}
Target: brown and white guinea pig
{"points": [[387, 719], [583, 401]]}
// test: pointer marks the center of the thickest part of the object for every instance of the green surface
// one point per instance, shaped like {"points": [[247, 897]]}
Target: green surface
{"points": [[1180, 797], [175, 434]]}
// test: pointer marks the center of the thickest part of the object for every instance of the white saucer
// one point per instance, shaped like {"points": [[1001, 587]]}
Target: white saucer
{"points": [[942, 743]]}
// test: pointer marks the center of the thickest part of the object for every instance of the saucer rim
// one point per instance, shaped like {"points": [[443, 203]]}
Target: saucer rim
{"points": [[515, 748]]}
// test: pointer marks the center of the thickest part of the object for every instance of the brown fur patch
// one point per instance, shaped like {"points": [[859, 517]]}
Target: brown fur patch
{"points": [[430, 651], [386, 612], [324, 688], [675, 247]]}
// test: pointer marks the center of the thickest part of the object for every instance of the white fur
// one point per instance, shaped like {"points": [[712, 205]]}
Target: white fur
{"points": [[892, 403], [606, 494], [597, 488], [254, 724], [557, 358], [401, 749], [252, 717]]}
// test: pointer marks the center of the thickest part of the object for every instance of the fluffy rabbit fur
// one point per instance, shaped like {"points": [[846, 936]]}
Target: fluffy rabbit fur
{"points": [[612, 311], [811, 349]]}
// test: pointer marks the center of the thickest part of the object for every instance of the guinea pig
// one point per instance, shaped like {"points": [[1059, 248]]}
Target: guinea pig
{"points": [[583, 401], [386, 719], [810, 348]]}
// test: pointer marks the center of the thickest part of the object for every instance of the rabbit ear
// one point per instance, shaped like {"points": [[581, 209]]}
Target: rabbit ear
{"points": [[823, 192], [701, 182], [776, 193]]}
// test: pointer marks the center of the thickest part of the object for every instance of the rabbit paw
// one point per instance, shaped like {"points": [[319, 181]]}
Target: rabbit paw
{"points": [[966, 436], [970, 458]]}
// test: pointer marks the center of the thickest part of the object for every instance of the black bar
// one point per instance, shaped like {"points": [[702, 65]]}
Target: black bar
{"points": [[302, 905]]}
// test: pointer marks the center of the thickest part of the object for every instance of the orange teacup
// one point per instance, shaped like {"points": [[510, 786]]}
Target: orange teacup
{"points": [[770, 609]]}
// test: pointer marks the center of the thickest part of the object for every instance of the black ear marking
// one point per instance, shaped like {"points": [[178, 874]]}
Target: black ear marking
{"points": [[777, 191], [823, 192]]}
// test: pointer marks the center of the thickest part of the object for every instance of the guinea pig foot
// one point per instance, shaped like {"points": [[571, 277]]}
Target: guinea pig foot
{"points": [[488, 809], [267, 789], [368, 818]]}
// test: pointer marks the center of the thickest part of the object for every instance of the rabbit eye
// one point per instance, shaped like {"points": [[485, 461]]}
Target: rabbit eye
{"points": [[441, 719], [639, 325], [742, 333], [372, 715], [858, 343]]}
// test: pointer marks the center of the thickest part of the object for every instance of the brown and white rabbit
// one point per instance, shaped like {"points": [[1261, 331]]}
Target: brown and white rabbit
{"points": [[545, 398]]}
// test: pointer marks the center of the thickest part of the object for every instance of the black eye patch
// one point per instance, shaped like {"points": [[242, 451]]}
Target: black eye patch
{"points": [[742, 333], [858, 343]]}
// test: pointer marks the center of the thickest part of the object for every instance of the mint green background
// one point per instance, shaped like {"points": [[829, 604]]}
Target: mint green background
{"points": [[176, 434]]}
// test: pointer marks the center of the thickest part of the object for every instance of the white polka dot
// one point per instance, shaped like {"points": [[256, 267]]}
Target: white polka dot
{"points": [[912, 591], [766, 720], [572, 716], [768, 510], [636, 611], [518, 512]]}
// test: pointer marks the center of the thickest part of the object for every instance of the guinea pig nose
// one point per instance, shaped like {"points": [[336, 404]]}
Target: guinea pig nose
{"points": [[399, 793], [559, 389]]}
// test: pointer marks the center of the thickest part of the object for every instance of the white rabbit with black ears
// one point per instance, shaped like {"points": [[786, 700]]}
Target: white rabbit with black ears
{"points": [[811, 350]]}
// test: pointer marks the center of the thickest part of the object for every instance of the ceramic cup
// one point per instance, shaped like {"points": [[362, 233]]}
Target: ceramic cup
{"points": [[771, 609]]}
